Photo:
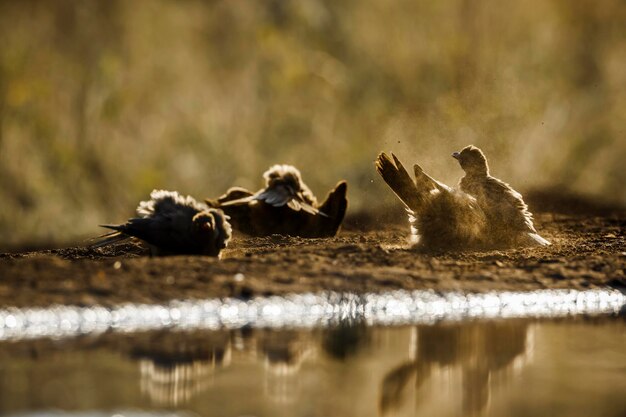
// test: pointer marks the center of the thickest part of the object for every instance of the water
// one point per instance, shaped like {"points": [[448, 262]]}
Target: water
{"points": [[504, 367], [395, 354]]}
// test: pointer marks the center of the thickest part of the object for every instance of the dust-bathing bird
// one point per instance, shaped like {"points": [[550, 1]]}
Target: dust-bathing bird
{"points": [[508, 220], [441, 217], [285, 206], [173, 224]]}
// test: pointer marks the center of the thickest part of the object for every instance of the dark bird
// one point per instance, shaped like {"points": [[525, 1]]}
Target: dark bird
{"points": [[441, 217], [509, 223], [172, 224], [285, 206]]}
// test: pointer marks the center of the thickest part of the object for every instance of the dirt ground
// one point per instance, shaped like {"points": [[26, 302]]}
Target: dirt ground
{"points": [[369, 254]]}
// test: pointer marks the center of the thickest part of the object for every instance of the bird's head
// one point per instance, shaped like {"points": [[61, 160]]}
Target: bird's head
{"points": [[472, 160], [285, 175], [212, 229]]}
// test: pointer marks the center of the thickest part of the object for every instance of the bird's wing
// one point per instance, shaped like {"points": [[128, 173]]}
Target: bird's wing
{"points": [[412, 193], [299, 203], [276, 196], [109, 238], [160, 231], [238, 201], [233, 193], [425, 181], [509, 205]]}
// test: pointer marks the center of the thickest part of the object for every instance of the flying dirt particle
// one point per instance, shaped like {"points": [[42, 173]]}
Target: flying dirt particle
{"points": [[239, 277], [117, 265]]}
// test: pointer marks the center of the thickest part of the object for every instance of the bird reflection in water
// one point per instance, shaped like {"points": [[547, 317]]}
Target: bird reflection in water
{"points": [[171, 374], [345, 339], [478, 351], [174, 370], [283, 354]]}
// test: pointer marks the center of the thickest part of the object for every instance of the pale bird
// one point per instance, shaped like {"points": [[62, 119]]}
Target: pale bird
{"points": [[441, 217], [509, 222], [172, 224], [284, 206]]}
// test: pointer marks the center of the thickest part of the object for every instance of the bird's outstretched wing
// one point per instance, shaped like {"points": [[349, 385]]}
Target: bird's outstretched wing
{"points": [[278, 197], [144, 228], [170, 230], [423, 180], [412, 193]]}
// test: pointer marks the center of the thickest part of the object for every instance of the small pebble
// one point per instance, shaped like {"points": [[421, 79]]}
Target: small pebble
{"points": [[170, 279], [117, 265], [239, 277]]}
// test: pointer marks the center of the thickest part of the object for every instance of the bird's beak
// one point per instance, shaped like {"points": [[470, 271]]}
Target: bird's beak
{"points": [[456, 155]]}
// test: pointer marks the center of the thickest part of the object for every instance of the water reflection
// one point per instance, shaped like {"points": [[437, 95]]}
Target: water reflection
{"points": [[475, 350], [283, 354], [345, 340], [173, 374], [503, 367]]}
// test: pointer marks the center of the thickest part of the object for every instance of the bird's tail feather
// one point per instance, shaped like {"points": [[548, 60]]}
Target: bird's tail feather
{"points": [[398, 179], [109, 238]]}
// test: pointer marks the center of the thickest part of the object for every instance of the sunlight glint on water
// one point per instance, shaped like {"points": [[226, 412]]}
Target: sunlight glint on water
{"points": [[306, 310]]}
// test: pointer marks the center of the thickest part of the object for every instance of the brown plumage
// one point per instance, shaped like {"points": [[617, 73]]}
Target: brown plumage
{"points": [[285, 206], [441, 217], [172, 224], [508, 219]]}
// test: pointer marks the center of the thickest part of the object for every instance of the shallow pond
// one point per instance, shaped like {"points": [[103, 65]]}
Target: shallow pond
{"points": [[512, 367]]}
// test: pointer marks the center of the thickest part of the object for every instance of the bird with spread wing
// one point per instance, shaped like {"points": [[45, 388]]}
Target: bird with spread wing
{"points": [[509, 222], [441, 217], [285, 206], [172, 224], [471, 216]]}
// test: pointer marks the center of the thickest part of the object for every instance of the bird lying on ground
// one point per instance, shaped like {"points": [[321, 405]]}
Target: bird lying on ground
{"points": [[509, 223], [441, 217], [285, 206], [482, 212], [172, 224]]}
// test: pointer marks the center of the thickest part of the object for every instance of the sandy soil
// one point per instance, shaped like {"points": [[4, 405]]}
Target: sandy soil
{"points": [[369, 254]]}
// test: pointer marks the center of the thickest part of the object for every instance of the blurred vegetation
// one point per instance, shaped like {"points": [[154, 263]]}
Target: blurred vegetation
{"points": [[103, 100]]}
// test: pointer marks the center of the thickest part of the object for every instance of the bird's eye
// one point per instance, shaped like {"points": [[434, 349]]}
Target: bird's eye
{"points": [[206, 226]]}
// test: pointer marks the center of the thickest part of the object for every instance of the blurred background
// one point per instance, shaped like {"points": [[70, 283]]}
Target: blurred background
{"points": [[103, 100]]}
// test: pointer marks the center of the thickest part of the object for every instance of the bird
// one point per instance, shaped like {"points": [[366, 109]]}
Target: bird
{"points": [[286, 206], [172, 224], [509, 221], [283, 186], [441, 217]]}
